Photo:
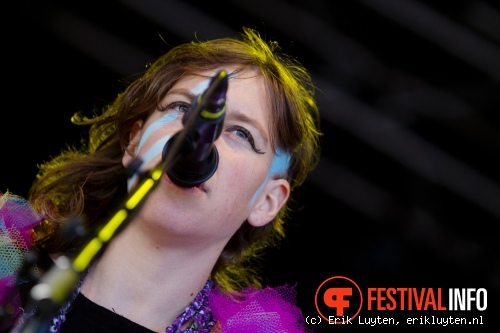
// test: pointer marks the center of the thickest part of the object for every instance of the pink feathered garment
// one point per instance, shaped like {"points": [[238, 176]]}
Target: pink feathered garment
{"points": [[17, 218], [268, 310]]}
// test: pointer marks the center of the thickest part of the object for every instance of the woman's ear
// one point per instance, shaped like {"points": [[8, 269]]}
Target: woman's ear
{"points": [[269, 203], [135, 137]]}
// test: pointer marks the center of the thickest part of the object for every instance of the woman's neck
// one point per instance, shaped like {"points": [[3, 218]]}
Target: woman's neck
{"points": [[146, 281]]}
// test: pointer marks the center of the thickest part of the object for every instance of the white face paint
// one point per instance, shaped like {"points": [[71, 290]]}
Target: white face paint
{"points": [[201, 87], [157, 148], [280, 164]]}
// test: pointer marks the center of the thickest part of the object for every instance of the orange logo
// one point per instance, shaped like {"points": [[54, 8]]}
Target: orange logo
{"points": [[338, 300]]}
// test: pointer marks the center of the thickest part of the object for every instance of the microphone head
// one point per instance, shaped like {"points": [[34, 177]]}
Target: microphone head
{"points": [[196, 155], [189, 173], [211, 103]]}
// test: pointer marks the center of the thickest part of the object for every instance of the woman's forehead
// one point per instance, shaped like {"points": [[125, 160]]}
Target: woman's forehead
{"points": [[204, 77]]}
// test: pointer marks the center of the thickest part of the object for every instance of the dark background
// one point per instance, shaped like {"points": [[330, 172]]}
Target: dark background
{"points": [[407, 193]]}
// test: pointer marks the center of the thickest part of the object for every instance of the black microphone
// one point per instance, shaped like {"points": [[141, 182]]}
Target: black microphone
{"points": [[198, 157]]}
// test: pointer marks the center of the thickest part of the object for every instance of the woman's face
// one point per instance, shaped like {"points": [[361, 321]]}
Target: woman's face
{"points": [[243, 186]]}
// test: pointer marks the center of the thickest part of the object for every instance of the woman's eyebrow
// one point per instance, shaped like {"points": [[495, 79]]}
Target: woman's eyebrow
{"points": [[183, 92], [239, 116]]}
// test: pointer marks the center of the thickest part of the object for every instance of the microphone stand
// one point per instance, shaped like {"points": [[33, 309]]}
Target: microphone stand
{"points": [[56, 286]]}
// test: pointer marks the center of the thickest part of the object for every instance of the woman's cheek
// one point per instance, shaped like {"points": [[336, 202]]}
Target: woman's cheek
{"points": [[148, 157], [151, 145]]}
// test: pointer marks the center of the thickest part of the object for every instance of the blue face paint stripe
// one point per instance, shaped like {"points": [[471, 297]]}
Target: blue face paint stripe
{"points": [[280, 164], [169, 117], [157, 148]]}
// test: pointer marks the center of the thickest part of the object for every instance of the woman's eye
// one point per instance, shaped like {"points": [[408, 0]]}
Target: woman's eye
{"points": [[242, 133], [179, 106], [245, 135]]}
